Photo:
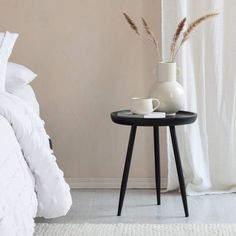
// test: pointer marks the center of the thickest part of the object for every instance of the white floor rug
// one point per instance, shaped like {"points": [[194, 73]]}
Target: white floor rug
{"points": [[135, 230]]}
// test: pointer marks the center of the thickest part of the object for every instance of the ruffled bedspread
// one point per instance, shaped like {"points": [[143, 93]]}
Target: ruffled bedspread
{"points": [[30, 180]]}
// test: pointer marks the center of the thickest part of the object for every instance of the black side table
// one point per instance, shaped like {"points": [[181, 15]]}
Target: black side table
{"points": [[181, 118]]}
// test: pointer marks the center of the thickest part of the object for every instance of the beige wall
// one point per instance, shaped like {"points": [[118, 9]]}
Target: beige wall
{"points": [[89, 63]]}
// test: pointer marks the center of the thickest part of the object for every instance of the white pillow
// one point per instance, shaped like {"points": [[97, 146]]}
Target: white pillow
{"points": [[7, 41], [18, 75]]}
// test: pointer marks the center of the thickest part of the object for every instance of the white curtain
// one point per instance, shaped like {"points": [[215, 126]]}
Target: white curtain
{"points": [[208, 65]]}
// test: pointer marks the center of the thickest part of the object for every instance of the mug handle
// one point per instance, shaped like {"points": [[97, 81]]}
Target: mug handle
{"points": [[155, 100]]}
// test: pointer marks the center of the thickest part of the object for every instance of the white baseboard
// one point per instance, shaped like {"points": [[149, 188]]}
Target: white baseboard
{"points": [[143, 183]]}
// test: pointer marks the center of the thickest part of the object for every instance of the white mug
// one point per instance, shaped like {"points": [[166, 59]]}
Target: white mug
{"points": [[144, 106]]}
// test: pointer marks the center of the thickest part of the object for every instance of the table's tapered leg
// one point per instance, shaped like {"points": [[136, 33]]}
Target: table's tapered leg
{"points": [[126, 168], [179, 169], [157, 164]]}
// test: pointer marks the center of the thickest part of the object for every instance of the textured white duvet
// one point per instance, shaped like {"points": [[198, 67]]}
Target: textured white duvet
{"points": [[30, 180]]}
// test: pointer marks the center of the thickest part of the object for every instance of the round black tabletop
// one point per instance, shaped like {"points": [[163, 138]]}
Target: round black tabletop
{"points": [[180, 118]]}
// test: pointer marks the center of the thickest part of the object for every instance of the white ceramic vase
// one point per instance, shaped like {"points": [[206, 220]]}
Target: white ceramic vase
{"points": [[167, 90]]}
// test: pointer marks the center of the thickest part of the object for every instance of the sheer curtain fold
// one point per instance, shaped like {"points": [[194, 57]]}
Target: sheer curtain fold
{"points": [[207, 62]]}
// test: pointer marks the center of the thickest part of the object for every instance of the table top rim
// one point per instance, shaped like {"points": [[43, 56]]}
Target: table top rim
{"points": [[185, 117], [190, 113]]}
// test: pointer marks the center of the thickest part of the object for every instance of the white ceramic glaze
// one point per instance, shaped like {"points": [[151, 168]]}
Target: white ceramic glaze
{"points": [[144, 106], [167, 90]]}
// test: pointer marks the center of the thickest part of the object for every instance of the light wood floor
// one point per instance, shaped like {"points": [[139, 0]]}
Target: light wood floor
{"points": [[100, 206]]}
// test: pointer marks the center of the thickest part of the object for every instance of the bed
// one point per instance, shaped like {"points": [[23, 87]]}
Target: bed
{"points": [[21, 200], [31, 183], [18, 201]]}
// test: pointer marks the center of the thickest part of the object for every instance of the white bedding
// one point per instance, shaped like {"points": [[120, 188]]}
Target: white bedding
{"points": [[18, 202], [26, 93], [28, 182]]}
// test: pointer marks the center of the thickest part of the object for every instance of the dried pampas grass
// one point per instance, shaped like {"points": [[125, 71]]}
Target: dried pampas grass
{"points": [[195, 23], [152, 37], [131, 23], [179, 31], [191, 27], [176, 37]]}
